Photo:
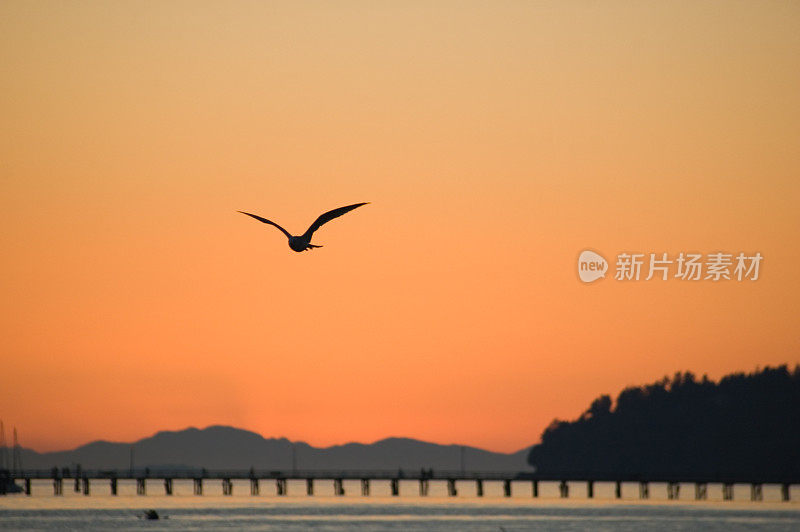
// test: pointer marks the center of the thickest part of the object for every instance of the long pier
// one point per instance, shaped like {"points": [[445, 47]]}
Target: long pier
{"points": [[84, 479]]}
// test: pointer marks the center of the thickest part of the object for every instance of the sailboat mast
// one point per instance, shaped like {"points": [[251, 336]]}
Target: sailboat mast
{"points": [[3, 449]]}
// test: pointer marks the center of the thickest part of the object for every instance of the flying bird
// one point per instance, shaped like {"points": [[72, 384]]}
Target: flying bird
{"points": [[303, 242]]}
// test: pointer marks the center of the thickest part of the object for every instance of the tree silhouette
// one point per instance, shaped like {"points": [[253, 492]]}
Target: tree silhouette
{"points": [[745, 426]]}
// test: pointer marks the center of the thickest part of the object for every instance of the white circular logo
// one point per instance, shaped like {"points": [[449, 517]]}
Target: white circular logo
{"points": [[591, 266]]}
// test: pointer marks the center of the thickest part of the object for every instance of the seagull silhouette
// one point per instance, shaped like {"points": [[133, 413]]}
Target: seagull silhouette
{"points": [[303, 242]]}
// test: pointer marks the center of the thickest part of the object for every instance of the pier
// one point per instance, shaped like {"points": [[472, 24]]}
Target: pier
{"points": [[86, 481]]}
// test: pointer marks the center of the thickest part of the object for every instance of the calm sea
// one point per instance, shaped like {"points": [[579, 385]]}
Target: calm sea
{"points": [[409, 511]]}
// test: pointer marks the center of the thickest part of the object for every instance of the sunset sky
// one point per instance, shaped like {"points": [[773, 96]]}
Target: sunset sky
{"points": [[495, 142]]}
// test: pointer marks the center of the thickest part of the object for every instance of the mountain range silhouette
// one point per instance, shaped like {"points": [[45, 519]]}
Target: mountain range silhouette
{"points": [[223, 447]]}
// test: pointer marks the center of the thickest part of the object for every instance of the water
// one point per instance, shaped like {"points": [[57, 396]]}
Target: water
{"points": [[381, 512]]}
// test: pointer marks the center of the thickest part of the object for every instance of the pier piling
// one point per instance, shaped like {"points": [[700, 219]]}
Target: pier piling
{"points": [[507, 488], [535, 488], [338, 487], [756, 492], [167, 486], [618, 490], [590, 489], [479, 487], [395, 487], [227, 486], [365, 487], [58, 486], [727, 492], [644, 490], [254, 487], [198, 486], [563, 489], [140, 486], [673, 490], [280, 486], [309, 486], [451, 487], [113, 485], [700, 491]]}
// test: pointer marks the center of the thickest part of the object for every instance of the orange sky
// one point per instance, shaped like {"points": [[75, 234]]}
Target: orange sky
{"points": [[494, 140]]}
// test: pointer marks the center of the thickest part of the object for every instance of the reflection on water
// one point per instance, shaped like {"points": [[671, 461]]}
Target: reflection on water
{"points": [[409, 511]]}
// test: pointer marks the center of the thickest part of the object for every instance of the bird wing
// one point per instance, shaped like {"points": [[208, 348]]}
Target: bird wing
{"points": [[328, 216], [260, 219]]}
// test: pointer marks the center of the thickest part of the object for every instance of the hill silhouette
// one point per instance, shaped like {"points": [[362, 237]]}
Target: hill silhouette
{"points": [[222, 447], [744, 426]]}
